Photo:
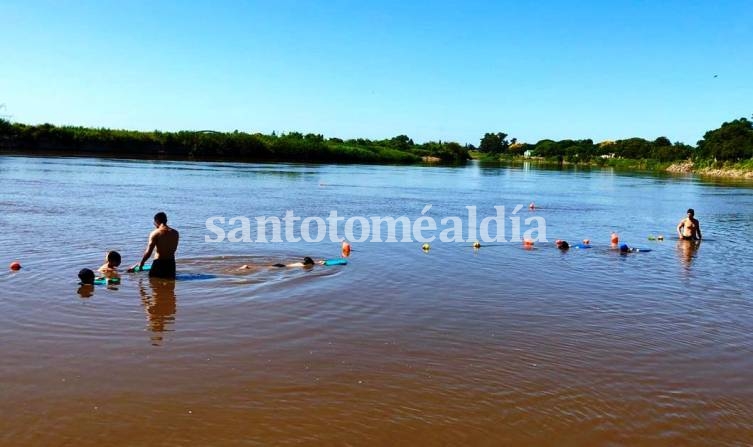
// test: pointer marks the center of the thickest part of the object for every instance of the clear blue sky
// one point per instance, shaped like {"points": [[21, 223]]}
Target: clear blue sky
{"points": [[431, 70]]}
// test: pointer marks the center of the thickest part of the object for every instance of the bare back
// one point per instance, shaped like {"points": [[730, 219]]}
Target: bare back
{"points": [[165, 240]]}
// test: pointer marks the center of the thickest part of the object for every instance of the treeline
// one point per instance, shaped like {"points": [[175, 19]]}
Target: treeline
{"points": [[733, 141], [289, 147]]}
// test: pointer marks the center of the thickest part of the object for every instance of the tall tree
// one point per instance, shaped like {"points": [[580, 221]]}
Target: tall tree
{"points": [[494, 143]]}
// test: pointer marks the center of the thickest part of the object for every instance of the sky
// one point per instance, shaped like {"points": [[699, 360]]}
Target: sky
{"points": [[432, 70]]}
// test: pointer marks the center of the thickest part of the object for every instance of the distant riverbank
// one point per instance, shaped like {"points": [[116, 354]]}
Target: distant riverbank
{"points": [[292, 147], [706, 168], [742, 170]]}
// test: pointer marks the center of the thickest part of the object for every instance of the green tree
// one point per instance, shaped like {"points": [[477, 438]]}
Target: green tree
{"points": [[494, 143], [732, 141]]}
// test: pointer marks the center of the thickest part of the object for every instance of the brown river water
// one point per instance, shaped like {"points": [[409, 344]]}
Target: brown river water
{"points": [[454, 346]]}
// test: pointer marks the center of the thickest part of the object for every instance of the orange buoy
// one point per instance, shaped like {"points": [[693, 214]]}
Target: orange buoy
{"points": [[15, 265], [615, 239], [528, 243], [531, 206], [346, 249]]}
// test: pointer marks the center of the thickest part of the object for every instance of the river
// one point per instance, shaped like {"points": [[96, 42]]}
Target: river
{"points": [[451, 346]]}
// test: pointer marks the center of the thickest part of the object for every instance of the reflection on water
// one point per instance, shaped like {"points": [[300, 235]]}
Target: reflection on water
{"points": [[85, 290], [159, 301], [687, 251]]}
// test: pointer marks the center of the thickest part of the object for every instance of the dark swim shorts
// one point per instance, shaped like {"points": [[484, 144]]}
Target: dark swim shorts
{"points": [[163, 268]]}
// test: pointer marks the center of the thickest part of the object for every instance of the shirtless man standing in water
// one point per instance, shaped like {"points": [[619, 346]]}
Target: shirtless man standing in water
{"points": [[689, 229], [165, 240]]}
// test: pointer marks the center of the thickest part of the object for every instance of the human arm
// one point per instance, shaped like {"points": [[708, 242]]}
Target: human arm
{"points": [[149, 249], [680, 226]]}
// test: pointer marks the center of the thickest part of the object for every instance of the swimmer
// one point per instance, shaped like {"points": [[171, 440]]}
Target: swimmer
{"points": [[86, 283], [689, 229], [562, 245], [307, 263], [625, 249], [112, 262], [86, 276]]}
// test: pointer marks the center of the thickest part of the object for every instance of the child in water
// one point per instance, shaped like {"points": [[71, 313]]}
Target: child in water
{"points": [[112, 262], [86, 276]]}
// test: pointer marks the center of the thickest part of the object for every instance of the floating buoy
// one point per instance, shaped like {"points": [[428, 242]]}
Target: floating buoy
{"points": [[527, 243], [15, 265], [660, 237], [346, 249], [426, 247], [477, 244], [651, 237], [531, 206], [615, 239]]}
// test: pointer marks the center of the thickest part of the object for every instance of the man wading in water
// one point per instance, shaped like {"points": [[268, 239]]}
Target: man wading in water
{"points": [[165, 240], [689, 229]]}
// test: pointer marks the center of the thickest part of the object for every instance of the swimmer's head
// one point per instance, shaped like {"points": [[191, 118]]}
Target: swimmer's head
{"points": [[691, 212], [113, 258], [563, 245], [308, 261], [86, 276], [160, 218]]}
